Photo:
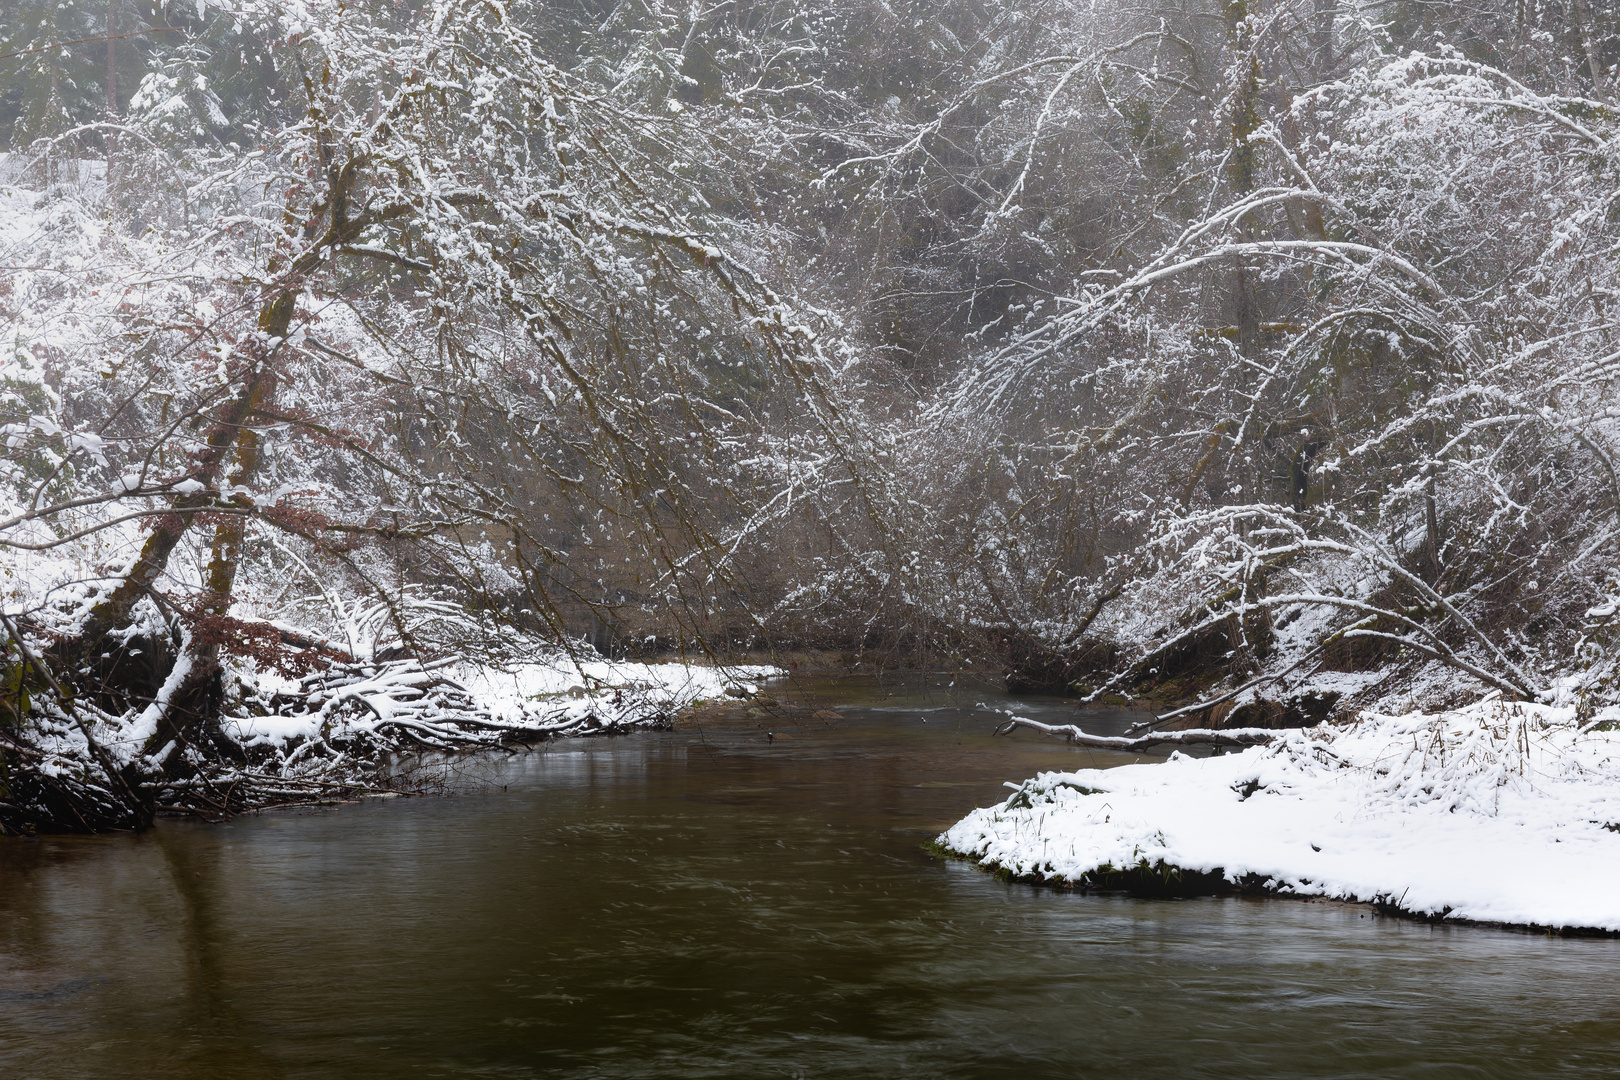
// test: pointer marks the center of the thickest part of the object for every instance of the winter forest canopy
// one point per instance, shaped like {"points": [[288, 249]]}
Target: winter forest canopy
{"points": [[1257, 356]]}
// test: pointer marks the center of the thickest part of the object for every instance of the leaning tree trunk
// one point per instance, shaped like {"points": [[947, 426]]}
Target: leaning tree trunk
{"points": [[88, 662], [190, 720], [115, 611], [1242, 164]]}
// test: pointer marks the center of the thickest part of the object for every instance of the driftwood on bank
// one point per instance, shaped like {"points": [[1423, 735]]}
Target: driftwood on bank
{"points": [[1194, 737]]}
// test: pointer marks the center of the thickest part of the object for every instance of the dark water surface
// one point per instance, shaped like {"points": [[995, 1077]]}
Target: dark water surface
{"points": [[716, 904]]}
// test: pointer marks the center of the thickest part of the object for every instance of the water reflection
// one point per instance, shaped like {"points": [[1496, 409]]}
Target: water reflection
{"points": [[727, 903]]}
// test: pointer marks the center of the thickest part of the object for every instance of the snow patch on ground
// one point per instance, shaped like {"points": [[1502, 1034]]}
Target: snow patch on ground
{"points": [[1497, 812]]}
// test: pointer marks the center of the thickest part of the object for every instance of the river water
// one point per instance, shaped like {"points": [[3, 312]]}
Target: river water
{"points": [[723, 902]]}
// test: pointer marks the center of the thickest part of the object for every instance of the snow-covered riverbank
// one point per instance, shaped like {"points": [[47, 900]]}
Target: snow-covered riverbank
{"points": [[459, 701], [1502, 813], [345, 727]]}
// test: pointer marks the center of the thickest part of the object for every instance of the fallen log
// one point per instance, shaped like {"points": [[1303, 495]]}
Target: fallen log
{"points": [[1194, 737]]}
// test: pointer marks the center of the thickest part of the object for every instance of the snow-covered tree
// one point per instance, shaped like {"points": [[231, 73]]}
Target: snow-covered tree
{"points": [[466, 321]]}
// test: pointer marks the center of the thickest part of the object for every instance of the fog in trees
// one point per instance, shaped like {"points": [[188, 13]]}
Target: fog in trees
{"points": [[1255, 358]]}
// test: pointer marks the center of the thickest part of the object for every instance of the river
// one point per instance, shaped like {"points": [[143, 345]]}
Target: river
{"points": [[745, 899]]}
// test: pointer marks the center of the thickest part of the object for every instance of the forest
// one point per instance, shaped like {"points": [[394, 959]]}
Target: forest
{"points": [[1253, 359]]}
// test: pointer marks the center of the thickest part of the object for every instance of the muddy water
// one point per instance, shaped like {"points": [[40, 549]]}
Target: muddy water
{"points": [[730, 903]]}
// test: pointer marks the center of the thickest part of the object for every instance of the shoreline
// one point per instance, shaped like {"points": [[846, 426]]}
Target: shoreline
{"points": [[1153, 883], [1497, 815]]}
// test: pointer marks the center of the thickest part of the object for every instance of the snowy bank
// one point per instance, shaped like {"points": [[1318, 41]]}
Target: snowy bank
{"points": [[457, 701], [1502, 813], [608, 694], [344, 728]]}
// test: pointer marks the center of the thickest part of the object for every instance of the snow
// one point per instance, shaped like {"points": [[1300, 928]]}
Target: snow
{"points": [[127, 741], [339, 727], [459, 701], [1502, 813], [576, 689]]}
